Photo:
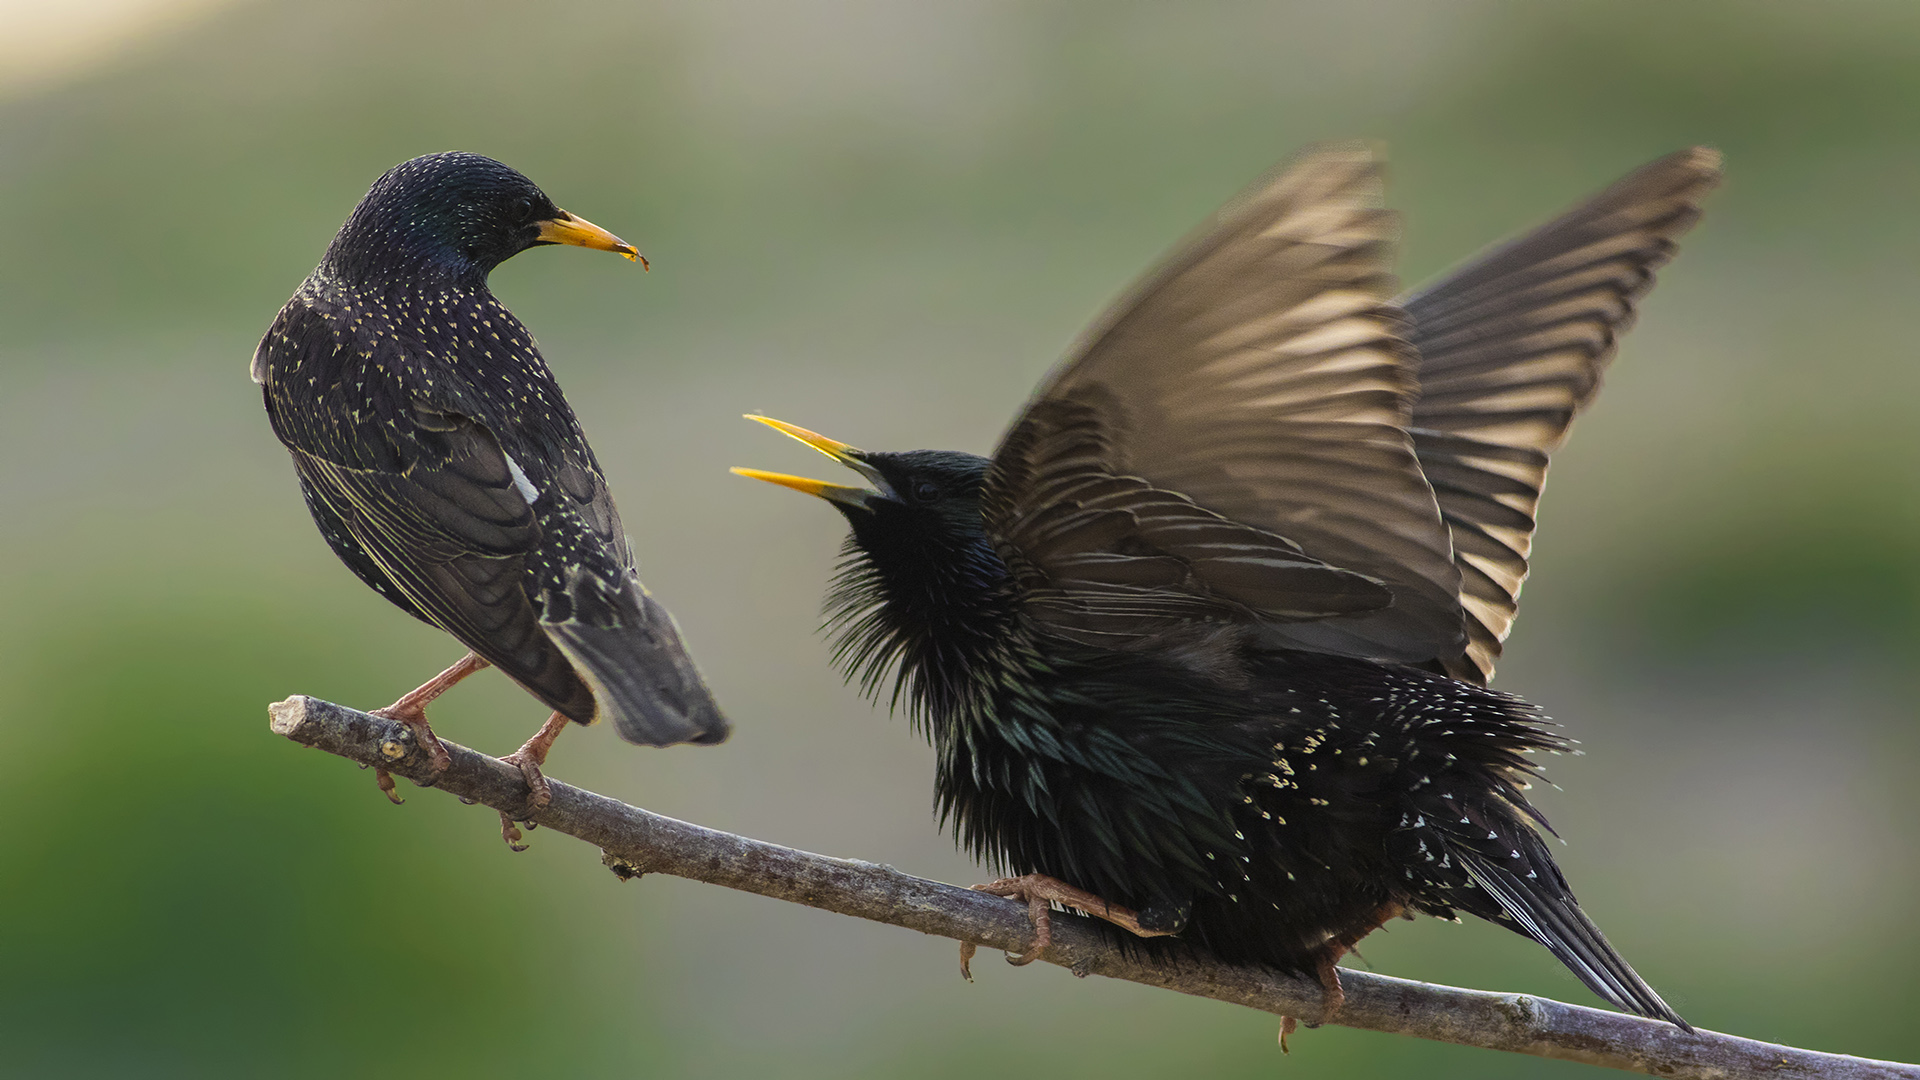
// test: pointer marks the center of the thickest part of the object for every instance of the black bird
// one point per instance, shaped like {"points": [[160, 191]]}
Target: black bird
{"points": [[1203, 648], [445, 468]]}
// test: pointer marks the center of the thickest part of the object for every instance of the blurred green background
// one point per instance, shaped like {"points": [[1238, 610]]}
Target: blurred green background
{"points": [[884, 221]]}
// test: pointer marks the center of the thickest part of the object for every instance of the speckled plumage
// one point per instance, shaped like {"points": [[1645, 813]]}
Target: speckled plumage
{"points": [[443, 465], [1270, 800], [1208, 635]]}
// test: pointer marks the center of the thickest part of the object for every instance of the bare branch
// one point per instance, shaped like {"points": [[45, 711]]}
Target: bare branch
{"points": [[635, 841]]}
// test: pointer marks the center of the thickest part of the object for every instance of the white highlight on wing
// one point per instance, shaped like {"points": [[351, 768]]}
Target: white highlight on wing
{"points": [[520, 482]]}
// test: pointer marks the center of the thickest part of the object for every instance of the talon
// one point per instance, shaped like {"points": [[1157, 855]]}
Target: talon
{"points": [[1288, 1025], [385, 780], [510, 833], [967, 949]]}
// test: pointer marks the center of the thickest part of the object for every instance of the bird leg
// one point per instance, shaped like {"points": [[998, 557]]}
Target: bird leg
{"points": [[411, 710], [531, 756], [1041, 892]]}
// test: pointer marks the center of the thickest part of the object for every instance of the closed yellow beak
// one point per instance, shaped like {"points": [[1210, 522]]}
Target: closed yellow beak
{"points": [[579, 232]]}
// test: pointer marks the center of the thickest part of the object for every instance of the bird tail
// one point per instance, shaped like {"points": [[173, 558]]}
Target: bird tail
{"points": [[641, 674], [1539, 905]]}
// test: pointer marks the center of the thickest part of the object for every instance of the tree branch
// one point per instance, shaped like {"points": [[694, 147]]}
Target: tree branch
{"points": [[636, 842]]}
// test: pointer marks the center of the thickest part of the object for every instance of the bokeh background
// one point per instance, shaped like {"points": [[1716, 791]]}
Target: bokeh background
{"points": [[884, 221]]}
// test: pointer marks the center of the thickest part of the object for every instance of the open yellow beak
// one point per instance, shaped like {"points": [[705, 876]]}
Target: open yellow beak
{"points": [[838, 451], [817, 488], [579, 232]]}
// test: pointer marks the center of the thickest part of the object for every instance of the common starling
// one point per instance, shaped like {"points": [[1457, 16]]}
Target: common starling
{"points": [[1203, 648], [445, 468]]}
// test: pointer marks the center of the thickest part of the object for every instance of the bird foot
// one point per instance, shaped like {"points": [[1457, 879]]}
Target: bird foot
{"points": [[1040, 892], [529, 759], [437, 757], [1333, 995], [539, 791], [411, 710], [539, 794]]}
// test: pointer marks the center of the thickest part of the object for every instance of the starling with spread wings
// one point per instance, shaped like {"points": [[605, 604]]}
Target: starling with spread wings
{"points": [[445, 468], [1203, 649]]}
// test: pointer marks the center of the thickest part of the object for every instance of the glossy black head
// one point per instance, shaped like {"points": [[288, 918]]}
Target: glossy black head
{"points": [[922, 577], [454, 217], [935, 492]]}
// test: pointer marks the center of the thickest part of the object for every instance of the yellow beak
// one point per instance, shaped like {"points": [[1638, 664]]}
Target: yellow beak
{"points": [[838, 451], [579, 232], [818, 488]]}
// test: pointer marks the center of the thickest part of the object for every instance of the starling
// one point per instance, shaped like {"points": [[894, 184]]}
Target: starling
{"points": [[445, 468], [1203, 649]]}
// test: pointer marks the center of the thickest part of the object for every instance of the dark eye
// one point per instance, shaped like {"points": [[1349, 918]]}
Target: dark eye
{"points": [[926, 491], [523, 207]]}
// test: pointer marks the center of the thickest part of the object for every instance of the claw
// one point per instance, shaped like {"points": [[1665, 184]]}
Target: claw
{"points": [[510, 833], [385, 780]]}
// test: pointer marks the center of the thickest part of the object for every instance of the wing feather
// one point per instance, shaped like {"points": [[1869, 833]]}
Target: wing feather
{"points": [[1235, 431], [1511, 346], [516, 552]]}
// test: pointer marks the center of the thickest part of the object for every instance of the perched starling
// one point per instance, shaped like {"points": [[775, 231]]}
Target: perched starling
{"points": [[1203, 648], [444, 467]]}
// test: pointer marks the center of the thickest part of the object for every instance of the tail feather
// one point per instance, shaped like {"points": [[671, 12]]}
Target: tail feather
{"points": [[1543, 909], [642, 676]]}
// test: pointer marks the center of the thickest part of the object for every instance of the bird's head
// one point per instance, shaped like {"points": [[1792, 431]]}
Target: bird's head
{"points": [[922, 587], [931, 494], [456, 215]]}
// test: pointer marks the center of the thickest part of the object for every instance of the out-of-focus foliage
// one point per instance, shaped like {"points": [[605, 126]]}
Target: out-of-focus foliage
{"points": [[884, 221]]}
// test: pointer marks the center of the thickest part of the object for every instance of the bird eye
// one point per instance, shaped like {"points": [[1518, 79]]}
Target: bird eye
{"points": [[523, 207], [926, 491]]}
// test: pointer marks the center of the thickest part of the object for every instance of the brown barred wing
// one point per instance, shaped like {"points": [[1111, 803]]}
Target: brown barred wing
{"points": [[1511, 346], [1231, 439]]}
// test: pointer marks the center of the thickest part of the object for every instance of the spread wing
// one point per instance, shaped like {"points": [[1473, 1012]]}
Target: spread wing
{"points": [[1230, 442], [1511, 346]]}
